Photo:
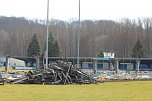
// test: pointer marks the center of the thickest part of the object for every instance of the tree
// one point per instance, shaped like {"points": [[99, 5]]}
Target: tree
{"points": [[53, 47], [57, 51], [100, 53], [33, 48], [138, 51]]}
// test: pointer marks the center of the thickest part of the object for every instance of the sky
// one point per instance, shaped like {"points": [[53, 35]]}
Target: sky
{"points": [[68, 9]]}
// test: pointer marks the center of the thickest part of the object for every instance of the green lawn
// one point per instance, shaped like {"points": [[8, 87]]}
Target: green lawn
{"points": [[108, 91]]}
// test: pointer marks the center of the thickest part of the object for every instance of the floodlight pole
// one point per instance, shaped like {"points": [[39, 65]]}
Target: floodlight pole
{"points": [[78, 59], [47, 28]]}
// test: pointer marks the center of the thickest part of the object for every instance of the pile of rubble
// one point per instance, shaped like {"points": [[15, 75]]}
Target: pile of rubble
{"points": [[1, 80], [106, 76], [58, 73]]}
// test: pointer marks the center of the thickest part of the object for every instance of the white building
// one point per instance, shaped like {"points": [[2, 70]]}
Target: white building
{"points": [[108, 54], [13, 62], [16, 62]]}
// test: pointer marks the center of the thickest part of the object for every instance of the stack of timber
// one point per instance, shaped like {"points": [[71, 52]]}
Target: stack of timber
{"points": [[56, 74]]}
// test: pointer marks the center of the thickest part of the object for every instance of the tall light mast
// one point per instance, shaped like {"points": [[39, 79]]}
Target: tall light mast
{"points": [[78, 58], [47, 28]]}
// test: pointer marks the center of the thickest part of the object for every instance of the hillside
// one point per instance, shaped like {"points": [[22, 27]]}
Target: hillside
{"points": [[120, 36]]}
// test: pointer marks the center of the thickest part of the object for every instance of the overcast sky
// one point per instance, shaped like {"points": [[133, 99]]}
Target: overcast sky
{"points": [[68, 9]]}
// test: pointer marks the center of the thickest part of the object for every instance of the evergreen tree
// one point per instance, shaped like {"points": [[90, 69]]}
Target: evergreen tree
{"points": [[53, 47], [57, 51], [100, 53], [33, 48], [138, 51]]}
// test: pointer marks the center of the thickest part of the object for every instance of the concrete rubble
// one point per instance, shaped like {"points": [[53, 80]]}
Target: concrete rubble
{"points": [[110, 76]]}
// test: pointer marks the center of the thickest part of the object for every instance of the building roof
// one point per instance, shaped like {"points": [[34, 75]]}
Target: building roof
{"points": [[108, 51], [103, 58]]}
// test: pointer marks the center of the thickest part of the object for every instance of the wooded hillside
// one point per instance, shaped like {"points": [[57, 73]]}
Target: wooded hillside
{"points": [[119, 36]]}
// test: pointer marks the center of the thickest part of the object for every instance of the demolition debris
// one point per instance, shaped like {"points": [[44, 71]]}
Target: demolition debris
{"points": [[56, 74], [1, 80]]}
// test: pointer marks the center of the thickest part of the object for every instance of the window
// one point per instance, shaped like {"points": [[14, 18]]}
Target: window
{"points": [[90, 66], [99, 66], [123, 66], [111, 54]]}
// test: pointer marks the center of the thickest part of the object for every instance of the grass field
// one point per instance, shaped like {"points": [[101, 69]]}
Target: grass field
{"points": [[108, 91]]}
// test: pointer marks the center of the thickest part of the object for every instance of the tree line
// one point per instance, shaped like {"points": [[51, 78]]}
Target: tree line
{"points": [[119, 36]]}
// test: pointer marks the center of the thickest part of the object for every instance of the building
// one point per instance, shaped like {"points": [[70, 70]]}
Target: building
{"points": [[100, 64], [108, 54]]}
